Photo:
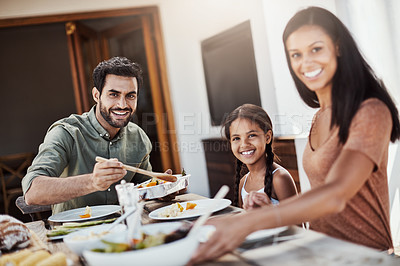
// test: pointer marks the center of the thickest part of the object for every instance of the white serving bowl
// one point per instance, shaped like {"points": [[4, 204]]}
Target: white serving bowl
{"points": [[174, 253], [75, 242]]}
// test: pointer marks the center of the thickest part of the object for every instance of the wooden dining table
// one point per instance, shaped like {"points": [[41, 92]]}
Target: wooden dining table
{"points": [[291, 246]]}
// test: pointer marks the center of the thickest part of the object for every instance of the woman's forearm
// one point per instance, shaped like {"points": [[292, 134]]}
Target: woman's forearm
{"points": [[343, 182]]}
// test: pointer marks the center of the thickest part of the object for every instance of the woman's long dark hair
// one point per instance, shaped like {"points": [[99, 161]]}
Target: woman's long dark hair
{"points": [[258, 115], [354, 80]]}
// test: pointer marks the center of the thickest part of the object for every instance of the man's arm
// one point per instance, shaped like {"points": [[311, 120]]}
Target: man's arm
{"points": [[46, 190]]}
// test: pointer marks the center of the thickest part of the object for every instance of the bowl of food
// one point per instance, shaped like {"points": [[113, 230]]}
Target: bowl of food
{"points": [[90, 238], [161, 244]]}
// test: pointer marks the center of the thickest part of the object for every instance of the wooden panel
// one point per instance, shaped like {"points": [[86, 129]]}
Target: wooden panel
{"points": [[285, 150], [12, 22], [161, 58], [70, 29]]}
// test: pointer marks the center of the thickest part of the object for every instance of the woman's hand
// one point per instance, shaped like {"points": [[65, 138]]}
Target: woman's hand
{"points": [[223, 240], [256, 199]]}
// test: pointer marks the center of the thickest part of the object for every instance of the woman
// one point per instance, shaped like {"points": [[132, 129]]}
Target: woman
{"points": [[346, 155]]}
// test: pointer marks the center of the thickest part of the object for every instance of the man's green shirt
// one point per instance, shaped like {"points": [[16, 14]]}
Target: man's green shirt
{"points": [[71, 146]]}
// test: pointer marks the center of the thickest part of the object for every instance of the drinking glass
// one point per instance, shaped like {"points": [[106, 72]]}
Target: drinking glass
{"points": [[128, 197]]}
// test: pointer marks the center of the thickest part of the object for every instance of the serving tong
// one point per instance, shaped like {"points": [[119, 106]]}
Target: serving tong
{"points": [[162, 176]]}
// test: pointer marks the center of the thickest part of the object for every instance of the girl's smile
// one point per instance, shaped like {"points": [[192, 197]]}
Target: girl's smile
{"points": [[248, 141], [245, 153]]}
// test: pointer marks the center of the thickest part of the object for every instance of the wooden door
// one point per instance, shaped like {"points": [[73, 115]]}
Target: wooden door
{"points": [[88, 46], [81, 38]]}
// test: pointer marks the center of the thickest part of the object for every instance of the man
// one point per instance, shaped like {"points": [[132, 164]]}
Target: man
{"points": [[65, 173]]}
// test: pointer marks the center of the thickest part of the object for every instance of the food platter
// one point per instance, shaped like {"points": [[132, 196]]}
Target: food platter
{"points": [[98, 211], [202, 206], [164, 189]]}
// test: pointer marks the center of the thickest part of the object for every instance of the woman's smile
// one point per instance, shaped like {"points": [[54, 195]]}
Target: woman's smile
{"points": [[313, 74], [313, 57]]}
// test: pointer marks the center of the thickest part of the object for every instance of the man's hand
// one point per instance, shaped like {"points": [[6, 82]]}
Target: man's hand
{"points": [[106, 173], [256, 199]]}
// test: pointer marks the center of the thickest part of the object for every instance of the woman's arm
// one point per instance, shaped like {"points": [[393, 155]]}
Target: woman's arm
{"points": [[346, 177]]}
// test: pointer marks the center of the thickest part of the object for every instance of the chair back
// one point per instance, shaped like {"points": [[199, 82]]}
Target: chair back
{"points": [[36, 212], [12, 169]]}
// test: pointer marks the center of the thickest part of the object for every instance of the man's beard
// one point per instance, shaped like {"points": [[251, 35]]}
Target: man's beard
{"points": [[106, 114]]}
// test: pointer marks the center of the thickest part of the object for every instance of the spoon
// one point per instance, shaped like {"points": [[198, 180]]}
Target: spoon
{"points": [[220, 194], [162, 176]]}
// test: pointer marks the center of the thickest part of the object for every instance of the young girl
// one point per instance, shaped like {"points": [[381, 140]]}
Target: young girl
{"points": [[347, 153], [249, 130]]}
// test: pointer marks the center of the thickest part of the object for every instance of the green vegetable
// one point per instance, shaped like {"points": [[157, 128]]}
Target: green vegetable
{"points": [[67, 228], [60, 232], [86, 224], [151, 241], [183, 172], [113, 247]]}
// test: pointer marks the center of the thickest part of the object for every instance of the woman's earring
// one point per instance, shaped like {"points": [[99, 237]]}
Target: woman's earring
{"points": [[338, 51]]}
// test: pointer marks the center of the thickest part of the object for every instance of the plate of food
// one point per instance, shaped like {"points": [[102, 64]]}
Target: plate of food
{"points": [[189, 209], [85, 213], [156, 188]]}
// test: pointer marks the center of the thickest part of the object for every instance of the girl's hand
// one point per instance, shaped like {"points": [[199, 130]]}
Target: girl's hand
{"points": [[223, 240], [256, 199]]}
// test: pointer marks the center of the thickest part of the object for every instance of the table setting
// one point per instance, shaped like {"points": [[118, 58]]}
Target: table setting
{"points": [[150, 231], [89, 235]]}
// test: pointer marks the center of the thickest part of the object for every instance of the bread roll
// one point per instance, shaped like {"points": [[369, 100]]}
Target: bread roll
{"points": [[13, 233], [15, 258], [57, 259], [35, 258]]}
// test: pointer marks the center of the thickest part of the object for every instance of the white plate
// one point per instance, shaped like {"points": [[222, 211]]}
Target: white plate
{"points": [[261, 234], [73, 215], [57, 237], [203, 206]]}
